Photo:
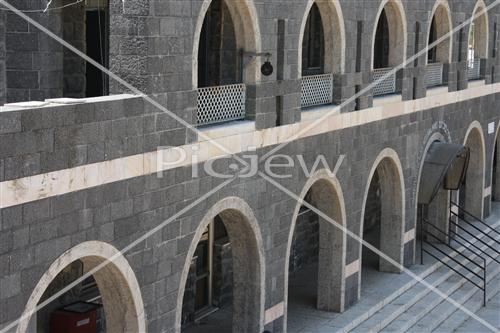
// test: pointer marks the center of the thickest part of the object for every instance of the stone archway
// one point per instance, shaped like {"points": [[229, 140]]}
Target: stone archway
{"points": [[334, 35], [398, 32], [248, 264], [325, 193], [472, 193], [247, 31], [479, 31], [389, 226], [438, 211], [118, 286], [441, 17]]}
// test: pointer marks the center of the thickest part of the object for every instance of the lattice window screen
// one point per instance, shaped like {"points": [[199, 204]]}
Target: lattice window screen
{"points": [[387, 85], [221, 103], [475, 69], [316, 90], [434, 75]]}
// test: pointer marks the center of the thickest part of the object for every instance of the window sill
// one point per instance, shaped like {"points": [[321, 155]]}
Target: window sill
{"points": [[387, 99], [477, 83], [217, 131], [431, 91]]}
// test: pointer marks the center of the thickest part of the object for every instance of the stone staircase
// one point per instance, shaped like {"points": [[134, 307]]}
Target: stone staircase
{"points": [[415, 308]]}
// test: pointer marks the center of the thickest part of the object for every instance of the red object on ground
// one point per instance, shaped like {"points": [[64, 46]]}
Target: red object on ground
{"points": [[80, 317]]}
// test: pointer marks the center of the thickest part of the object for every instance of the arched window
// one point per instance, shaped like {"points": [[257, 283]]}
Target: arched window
{"points": [[389, 46], [226, 44], [432, 53], [382, 46], [322, 51], [313, 46], [439, 43], [478, 41], [218, 53]]}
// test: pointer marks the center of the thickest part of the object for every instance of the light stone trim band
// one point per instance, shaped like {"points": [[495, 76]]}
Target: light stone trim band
{"points": [[409, 236], [32, 188], [352, 268], [487, 192], [274, 313]]}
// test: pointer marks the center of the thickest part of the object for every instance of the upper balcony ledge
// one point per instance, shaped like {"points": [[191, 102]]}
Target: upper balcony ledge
{"points": [[51, 102]]}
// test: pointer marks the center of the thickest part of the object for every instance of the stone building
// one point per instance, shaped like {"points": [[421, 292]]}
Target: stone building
{"points": [[82, 180]]}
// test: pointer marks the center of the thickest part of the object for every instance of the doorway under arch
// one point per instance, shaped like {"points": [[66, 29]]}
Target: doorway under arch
{"points": [[118, 289], [383, 215], [315, 272], [243, 262], [471, 194]]}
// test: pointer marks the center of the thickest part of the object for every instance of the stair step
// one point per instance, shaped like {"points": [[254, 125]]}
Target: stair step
{"points": [[431, 310], [407, 308], [440, 309], [474, 304]]}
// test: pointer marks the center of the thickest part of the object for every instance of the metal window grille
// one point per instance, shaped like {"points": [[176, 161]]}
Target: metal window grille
{"points": [[316, 90], [387, 85], [434, 75], [475, 69], [221, 103]]}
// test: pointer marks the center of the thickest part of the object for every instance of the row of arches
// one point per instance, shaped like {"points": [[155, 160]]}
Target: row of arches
{"points": [[382, 225], [226, 27]]}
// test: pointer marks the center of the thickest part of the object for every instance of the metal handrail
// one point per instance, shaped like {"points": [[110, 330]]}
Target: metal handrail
{"points": [[424, 232], [472, 244], [474, 236], [450, 247], [475, 218], [473, 226]]}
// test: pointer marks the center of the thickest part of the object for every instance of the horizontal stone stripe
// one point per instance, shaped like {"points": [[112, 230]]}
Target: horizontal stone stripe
{"points": [[352, 268], [409, 236], [235, 139], [274, 313]]}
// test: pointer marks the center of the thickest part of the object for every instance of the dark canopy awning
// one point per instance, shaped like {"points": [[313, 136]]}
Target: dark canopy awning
{"points": [[444, 167]]}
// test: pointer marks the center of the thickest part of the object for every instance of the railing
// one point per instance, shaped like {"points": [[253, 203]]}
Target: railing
{"points": [[221, 103], [316, 90], [434, 75], [385, 86], [474, 71], [473, 275], [486, 234]]}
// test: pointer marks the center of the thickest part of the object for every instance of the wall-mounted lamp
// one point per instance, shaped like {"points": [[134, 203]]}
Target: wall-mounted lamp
{"points": [[267, 68]]}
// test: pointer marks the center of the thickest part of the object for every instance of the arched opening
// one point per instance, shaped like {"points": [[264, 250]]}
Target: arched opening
{"points": [[316, 253], [109, 300], [389, 45], [471, 194], [383, 220], [218, 52], [478, 40], [224, 59], [86, 26], [222, 282], [437, 212], [441, 53], [322, 52], [313, 46]]}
